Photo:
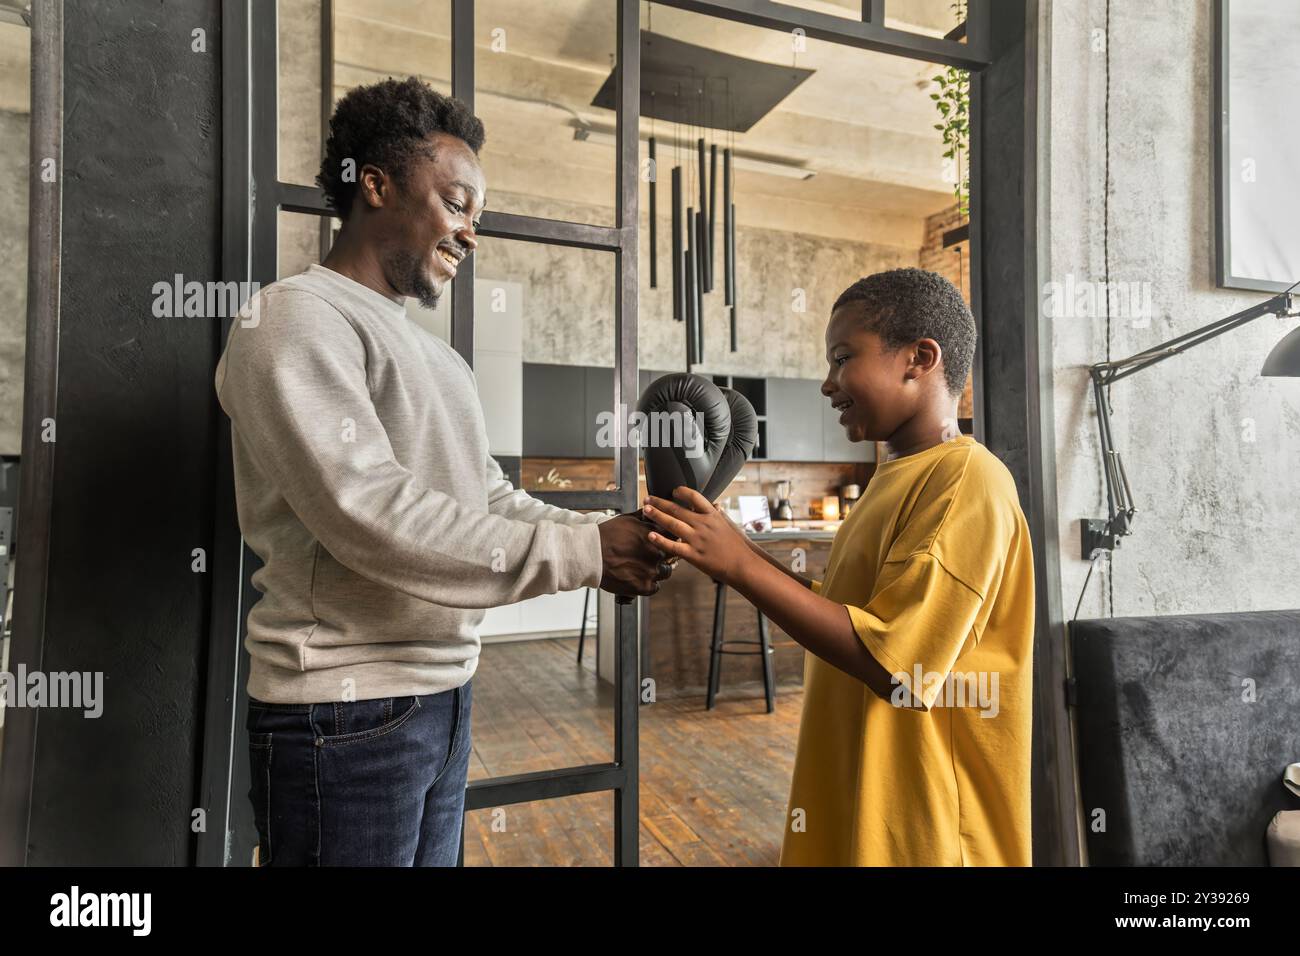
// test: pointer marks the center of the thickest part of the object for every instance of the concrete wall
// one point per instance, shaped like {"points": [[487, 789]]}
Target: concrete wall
{"points": [[15, 112], [1212, 449], [569, 296], [13, 277], [569, 293]]}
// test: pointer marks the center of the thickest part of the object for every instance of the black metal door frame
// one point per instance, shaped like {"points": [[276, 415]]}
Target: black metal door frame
{"points": [[254, 196], [40, 403]]}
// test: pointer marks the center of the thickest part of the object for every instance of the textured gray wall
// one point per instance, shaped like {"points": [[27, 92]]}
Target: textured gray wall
{"points": [[569, 293], [569, 296], [1211, 448], [13, 276]]}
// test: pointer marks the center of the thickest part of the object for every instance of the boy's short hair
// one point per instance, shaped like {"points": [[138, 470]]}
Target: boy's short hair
{"points": [[385, 124], [904, 305]]}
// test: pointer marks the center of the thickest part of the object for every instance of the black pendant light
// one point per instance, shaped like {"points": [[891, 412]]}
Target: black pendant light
{"points": [[713, 212], [654, 218], [692, 263], [702, 249], [728, 246], [679, 290]]}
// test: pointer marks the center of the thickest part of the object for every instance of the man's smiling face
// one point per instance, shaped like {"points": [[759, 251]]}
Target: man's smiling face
{"points": [[433, 220]]}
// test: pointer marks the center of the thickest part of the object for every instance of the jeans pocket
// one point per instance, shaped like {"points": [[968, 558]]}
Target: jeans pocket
{"points": [[259, 792], [347, 722], [458, 735], [466, 711]]}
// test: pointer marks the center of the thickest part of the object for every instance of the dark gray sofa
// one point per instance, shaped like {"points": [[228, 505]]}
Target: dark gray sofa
{"points": [[1187, 771]]}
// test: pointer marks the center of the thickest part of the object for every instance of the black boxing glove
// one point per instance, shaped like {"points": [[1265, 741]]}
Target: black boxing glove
{"points": [[675, 451], [740, 444]]}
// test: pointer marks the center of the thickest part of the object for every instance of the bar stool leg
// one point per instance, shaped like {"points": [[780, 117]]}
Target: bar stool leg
{"points": [[715, 648], [582, 634], [769, 685]]}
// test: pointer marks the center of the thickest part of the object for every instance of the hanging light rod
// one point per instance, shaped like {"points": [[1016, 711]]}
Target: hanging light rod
{"points": [[771, 167]]}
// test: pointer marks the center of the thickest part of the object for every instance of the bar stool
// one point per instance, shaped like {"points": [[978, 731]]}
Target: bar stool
{"points": [[719, 647]]}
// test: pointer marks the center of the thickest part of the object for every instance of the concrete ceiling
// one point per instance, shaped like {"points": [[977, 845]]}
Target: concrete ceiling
{"points": [[864, 121]]}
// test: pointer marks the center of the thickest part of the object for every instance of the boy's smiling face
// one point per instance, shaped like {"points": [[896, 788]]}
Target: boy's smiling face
{"points": [[874, 389]]}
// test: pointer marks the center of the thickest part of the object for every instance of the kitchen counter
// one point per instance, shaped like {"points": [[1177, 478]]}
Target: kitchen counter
{"points": [[677, 625], [791, 534]]}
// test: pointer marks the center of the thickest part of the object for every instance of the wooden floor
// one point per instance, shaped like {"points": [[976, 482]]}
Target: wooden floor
{"points": [[713, 783]]}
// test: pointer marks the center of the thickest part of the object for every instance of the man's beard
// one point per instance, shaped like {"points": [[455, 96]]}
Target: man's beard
{"points": [[409, 276]]}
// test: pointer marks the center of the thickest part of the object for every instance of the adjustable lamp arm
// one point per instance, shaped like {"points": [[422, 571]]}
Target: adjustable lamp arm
{"points": [[1105, 534]]}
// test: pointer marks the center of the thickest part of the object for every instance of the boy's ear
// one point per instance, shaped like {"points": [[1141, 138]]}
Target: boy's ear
{"points": [[926, 356]]}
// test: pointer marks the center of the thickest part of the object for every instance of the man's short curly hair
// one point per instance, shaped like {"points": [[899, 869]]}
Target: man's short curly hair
{"points": [[385, 124], [904, 305]]}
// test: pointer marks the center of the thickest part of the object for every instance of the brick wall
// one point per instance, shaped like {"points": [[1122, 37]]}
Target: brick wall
{"points": [[953, 264]]}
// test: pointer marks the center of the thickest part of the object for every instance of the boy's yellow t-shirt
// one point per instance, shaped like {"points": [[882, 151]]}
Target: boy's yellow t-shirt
{"points": [[935, 566]]}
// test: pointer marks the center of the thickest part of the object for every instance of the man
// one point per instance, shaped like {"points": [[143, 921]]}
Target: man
{"points": [[364, 483]]}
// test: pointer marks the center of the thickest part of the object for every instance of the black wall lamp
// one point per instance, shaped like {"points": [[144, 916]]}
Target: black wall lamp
{"points": [[1104, 534]]}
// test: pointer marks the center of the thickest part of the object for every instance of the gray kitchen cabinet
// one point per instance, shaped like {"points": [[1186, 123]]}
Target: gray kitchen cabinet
{"points": [[554, 407], [598, 397], [794, 420], [562, 405]]}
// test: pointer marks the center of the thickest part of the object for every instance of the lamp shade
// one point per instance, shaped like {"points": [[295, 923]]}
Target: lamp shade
{"points": [[1285, 357]]}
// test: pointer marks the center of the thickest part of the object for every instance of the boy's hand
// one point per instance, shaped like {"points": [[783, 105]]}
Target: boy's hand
{"points": [[707, 538]]}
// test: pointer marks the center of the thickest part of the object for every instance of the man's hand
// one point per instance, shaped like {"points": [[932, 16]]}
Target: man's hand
{"points": [[633, 566]]}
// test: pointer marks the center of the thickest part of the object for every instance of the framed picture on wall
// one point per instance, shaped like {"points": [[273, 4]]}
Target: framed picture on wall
{"points": [[1257, 143]]}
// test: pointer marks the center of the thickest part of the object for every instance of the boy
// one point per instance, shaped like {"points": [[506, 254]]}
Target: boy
{"points": [[914, 744]]}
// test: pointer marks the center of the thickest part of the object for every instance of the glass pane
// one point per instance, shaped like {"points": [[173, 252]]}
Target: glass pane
{"points": [[549, 151], [544, 320], [544, 362], [533, 708], [376, 39], [300, 242], [934, 18], [371, 40], [300, 107], [536, 706], [567, 831], [15, 116], [841, 175], [300, 245]]}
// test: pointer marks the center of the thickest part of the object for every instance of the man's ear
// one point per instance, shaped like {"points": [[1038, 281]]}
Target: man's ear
{"points": [[374, 186]]}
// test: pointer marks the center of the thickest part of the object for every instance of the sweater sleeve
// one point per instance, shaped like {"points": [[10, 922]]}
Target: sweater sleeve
{"points": [[296, 390]]}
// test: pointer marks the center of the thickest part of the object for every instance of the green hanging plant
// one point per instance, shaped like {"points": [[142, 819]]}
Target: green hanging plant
{"points": [[953, 103]]}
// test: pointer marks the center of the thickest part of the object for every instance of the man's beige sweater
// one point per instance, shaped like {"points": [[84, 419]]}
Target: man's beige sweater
{"points": [[364, 483]]}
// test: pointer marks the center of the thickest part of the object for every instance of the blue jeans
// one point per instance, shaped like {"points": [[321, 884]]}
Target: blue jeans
{"points": [[362, 783]]}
